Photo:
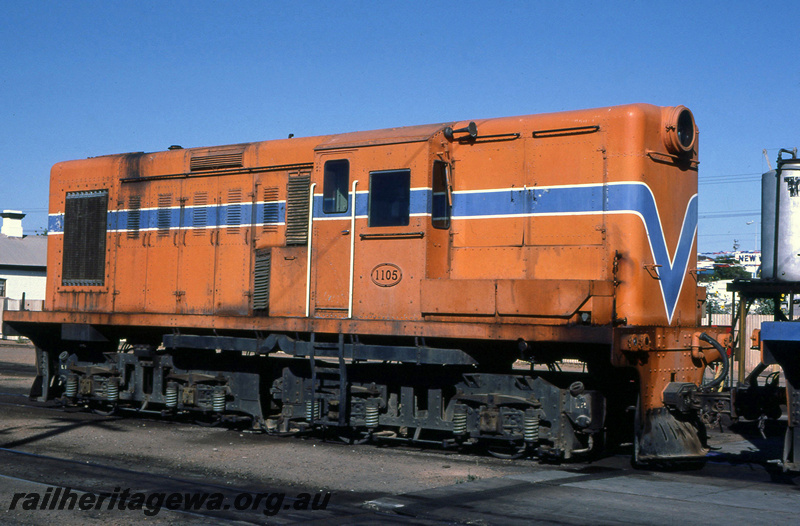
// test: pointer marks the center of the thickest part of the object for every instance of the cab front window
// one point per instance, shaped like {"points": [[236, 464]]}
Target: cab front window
{"points": [[440, 199], [334, 186], [389, 198]]}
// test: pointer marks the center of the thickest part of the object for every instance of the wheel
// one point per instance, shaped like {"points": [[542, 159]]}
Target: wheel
{"points": [[208, 420], [103, 408], [347, 436], [355, 437], [507, 450]]}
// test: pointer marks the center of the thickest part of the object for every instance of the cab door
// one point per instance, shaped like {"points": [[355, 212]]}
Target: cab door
{"points": [[390, 242], [332, 237]]}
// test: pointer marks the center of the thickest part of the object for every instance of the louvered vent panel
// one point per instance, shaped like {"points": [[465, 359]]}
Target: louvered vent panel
{"points": [[200, 213], [216, 161], [134, 219], [261, 280], [234, 211], [164, 212], [85, 227], [271, 212], [297, 209]]}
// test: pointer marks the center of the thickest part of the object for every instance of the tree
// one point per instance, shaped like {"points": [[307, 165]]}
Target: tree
{"points": [[766, 306], [714, 306], [726, 272], [726, 267]]}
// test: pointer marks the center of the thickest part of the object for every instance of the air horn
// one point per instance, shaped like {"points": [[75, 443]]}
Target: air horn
{"points": [[471, 129]]}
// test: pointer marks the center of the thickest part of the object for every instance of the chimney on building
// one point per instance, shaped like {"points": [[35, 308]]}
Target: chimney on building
{"points": [[12, 223]]}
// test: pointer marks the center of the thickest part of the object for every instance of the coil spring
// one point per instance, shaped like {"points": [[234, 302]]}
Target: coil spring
{"points": [[459, 422], [372, 415], [531, 428], [218, 401], [112, 390], [313, 410], [72, 386], [171, 395]]}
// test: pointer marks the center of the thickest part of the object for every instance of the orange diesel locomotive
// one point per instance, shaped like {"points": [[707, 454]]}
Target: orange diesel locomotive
{"points": [[385, 283]]}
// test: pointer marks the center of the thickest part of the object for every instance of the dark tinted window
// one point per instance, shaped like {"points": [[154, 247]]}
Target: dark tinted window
{"points": [[334, 187], [389, 198], [440, 206]]}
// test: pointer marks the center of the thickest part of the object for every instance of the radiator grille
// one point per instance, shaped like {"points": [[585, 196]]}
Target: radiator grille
{"points": [[200, 213], [297, 209], [85, 238], [164, 211], [234, 211], [261, 280], [134, 218], [271, 217], [216, 161]]}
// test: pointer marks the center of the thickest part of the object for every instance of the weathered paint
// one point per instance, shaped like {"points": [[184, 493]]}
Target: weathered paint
{"points": [[555, 237]]}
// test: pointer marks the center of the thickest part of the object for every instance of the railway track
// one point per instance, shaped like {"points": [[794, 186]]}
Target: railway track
{"points": [[238, 503], [40, 461], [764, 448]]}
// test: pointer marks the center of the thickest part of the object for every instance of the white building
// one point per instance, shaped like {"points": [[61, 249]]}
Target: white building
{"points": [[751, 261], [23, 266]]}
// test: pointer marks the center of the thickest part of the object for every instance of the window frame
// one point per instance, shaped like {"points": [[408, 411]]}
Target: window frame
{"points": [[332, 186], [405, 198], [442, 223]]}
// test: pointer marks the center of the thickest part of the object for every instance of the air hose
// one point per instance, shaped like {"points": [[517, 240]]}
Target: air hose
{"points": [[725, 362]]}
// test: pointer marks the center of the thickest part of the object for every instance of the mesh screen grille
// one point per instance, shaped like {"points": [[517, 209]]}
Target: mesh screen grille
{"points": [[85, 238]]}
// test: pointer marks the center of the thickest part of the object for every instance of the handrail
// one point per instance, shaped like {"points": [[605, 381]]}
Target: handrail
{"points": [[390, 235], [310, 237], [352, 250]]}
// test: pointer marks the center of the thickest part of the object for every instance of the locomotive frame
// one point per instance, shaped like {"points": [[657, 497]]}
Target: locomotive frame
{"points": [[393, 303]]}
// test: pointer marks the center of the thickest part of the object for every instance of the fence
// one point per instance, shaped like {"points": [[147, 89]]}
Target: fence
{"points": [[752, 356]]}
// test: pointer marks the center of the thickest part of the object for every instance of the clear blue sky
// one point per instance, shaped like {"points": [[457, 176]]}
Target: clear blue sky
{"points": [[80, 79]]}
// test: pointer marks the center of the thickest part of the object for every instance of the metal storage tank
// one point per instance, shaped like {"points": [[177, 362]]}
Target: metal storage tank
{"points": [[780, 220]]}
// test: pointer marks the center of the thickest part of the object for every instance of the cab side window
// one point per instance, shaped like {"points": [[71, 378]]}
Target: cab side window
{"points": [[334, 186], [389, 198], [440, 201]]}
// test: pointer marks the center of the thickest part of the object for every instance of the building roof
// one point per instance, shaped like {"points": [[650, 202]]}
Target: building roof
{"points": [[28, 251]]}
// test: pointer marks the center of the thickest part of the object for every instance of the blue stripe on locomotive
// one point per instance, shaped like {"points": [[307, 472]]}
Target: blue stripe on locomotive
{"points": [[614, 198]]}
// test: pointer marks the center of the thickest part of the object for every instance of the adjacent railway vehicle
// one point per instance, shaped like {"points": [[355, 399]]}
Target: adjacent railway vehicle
{"points": [[384, 284]]}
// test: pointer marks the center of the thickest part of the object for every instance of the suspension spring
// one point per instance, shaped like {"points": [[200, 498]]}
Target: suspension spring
{"points": [[372, 415], [218, 400], [112, 389], [71, 388], [459, 422], [313, 410], [531, 428], [171, 396]]}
